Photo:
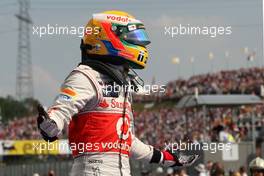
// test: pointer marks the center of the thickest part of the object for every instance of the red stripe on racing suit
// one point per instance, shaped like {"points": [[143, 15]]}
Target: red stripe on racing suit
{"points": [[100, 132]]}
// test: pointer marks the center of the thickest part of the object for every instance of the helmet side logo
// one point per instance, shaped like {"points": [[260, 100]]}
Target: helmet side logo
{"points": [[140, 56]]}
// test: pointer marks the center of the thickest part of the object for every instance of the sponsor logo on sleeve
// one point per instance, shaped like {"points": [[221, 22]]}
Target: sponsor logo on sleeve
{"points": [[67, 94]]}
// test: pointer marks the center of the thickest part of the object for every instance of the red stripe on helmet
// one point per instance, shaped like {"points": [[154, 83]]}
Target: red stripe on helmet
{"points": [[126, 54], [117, 44]]}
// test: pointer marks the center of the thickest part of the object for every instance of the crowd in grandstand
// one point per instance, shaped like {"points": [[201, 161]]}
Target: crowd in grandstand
{"points": [[207, 169], [220, 124], [22, 128], [173, 124], [242, 81], [170, 124]]}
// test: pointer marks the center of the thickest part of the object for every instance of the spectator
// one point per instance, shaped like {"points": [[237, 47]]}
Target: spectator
{"points": [[159, 170], [170, 171], [217, 170], [209, 165], [201, 170], [183, 172], [51, 173], [242, 171], [236, 174]]}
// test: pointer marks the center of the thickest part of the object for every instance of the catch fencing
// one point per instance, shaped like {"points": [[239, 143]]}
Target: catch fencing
{"points": [[240, 155]]}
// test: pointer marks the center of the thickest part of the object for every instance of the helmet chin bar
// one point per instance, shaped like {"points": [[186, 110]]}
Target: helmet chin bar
{"points": [[105, 59], [84, 46]]}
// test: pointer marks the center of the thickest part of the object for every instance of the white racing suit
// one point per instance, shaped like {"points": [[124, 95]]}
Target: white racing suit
{"points": [[94, 117]]}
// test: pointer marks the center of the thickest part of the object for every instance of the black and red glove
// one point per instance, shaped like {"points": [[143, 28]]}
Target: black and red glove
{"points": [[48, 127], [178, 159], [170, 159]]}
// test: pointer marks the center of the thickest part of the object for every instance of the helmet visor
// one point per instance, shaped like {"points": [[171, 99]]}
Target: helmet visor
{"points": [[137, 37]]}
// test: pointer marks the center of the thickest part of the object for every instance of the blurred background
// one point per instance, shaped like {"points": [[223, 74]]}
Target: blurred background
{"points": [[190, 66]]}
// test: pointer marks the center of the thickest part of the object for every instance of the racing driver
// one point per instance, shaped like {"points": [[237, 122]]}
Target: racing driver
{"points": [[94, 102]]}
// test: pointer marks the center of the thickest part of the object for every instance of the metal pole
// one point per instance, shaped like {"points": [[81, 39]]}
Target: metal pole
{"points": [[204, 119], [179, 71], [1, 118], [253, 133], [193, 72], [24, 77], [186, 120]]}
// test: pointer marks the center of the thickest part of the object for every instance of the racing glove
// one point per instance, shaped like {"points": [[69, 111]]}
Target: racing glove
{"points": [[172, 159], [48, 127]]}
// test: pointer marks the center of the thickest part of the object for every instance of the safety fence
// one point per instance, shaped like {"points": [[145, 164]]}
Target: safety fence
{"points": [[239, 155], [61, 168]]}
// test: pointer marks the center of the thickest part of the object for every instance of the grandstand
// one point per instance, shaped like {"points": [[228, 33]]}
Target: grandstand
{"points": [[172, 124]]}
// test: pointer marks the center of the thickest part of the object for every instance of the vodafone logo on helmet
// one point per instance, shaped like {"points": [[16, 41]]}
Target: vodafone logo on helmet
{"points": [[115, 18], [118, 18]]}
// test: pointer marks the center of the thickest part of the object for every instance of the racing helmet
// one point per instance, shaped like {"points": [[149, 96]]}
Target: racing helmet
{"points": [[257, 165], [116, 37]]}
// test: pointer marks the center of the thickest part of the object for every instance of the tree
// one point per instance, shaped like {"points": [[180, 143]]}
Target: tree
{"points": [[11, 108]]}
